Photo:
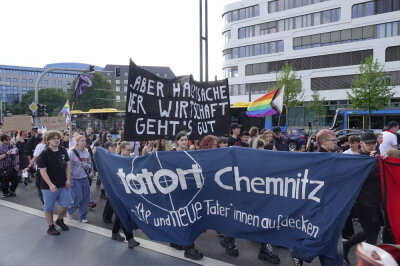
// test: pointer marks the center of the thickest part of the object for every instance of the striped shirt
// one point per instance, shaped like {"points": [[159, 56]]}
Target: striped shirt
{"points": [[6, 162]]}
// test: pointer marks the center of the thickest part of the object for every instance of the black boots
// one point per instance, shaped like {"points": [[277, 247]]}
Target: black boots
{"points": [[229, 244], [266, 253]]}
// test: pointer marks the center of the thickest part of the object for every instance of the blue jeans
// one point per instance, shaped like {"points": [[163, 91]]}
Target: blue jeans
{"points": [[81, 196]]}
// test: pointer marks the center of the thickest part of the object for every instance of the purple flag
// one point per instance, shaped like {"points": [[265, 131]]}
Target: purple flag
{"points": [[82, 82]]}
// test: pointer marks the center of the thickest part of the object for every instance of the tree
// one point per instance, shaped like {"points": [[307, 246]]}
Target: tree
{"points": [[370, 90], [316, 105], [53, 98], [121, 105], [293, 87], [100, 95]]}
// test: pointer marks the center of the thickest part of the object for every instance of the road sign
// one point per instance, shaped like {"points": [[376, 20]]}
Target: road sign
{"points": [[33, 107]]}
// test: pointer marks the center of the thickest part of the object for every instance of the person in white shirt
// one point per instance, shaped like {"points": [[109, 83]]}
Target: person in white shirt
{"points": [[389, 138], [354, 143]]}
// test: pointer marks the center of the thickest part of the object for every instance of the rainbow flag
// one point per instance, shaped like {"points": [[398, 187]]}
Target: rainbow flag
{"points": [[66, 109], [269, 104]]}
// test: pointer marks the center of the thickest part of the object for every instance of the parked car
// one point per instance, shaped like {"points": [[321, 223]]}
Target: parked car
{"points": [[349, 132], [296, 137]]}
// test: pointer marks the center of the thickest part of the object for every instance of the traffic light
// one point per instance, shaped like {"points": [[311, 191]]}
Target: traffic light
{"points": [[117, 72], [91, 68], [42, 108]]}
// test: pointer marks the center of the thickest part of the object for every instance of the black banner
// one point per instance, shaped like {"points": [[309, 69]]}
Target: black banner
{"points": [[158, 108]]}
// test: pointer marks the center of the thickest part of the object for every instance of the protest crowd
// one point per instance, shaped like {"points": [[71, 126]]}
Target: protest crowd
{"points": [[61, 165]]}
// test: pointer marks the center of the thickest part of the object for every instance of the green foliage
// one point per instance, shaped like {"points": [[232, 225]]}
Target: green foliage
{"points": [[294, 92], [52, 97], [316, 105], [100, 95], [121, 105], [371, 89]]}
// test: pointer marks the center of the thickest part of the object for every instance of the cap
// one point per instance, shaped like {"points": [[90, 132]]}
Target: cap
{"points": [[235, 125], [368, 137], [276, 129], [392, 124], [108, 144]]}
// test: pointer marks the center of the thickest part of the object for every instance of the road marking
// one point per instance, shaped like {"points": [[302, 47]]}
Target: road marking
{"points": [[144, 243]]}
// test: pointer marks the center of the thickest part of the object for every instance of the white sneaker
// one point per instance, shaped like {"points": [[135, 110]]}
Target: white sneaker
{"points": [[68, 216], [85, 221]]}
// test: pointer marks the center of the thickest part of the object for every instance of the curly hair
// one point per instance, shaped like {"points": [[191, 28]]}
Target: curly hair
{"points": [[207, 142]]}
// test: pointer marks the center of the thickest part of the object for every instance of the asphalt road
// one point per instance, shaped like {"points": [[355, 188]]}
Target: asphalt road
{"points": [[208, 242]]}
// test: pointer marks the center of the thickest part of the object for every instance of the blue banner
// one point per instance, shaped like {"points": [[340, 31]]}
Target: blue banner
{"points": [[291, 199]]}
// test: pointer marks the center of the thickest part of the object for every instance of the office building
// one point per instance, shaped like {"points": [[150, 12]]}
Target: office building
{"points": [[325, 41]]}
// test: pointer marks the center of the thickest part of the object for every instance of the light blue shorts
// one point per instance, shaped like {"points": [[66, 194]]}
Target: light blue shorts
{"points": [[63, 196]]}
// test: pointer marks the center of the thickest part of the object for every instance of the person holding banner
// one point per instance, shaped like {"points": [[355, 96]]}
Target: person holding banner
{"points": [[368, 203], [124, 149], [326, 140], [190, 251]]}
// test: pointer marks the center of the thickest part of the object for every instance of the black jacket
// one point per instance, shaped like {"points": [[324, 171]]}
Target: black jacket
{"points": [[280, 144], [370, 194], [31, 145]]}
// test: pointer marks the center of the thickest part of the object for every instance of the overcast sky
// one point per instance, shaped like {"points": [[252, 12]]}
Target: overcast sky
{"points": [[151, 32]]}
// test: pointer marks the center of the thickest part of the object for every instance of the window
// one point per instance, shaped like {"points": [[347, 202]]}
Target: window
{"points": [[242, 13], [125, 74], [125, 81], [24, 80], [298, 22], [392, 54], [15, 80], [118, 98], [380, 31], [272, 7], [125, 88], [59, 82], [117, 81], [374, 7], [254, 50], [316, 19], [227, 35], [377, 31], [44, 81], [165, 75], [315, 62], [117, 88]]}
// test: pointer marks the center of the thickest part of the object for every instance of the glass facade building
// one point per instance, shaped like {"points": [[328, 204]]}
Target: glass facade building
{"points": [[325, 42]]}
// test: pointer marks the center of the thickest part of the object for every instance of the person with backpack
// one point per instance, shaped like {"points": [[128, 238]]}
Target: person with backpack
{"points": [[81, 167]]}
